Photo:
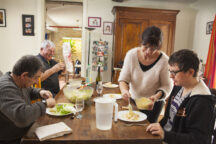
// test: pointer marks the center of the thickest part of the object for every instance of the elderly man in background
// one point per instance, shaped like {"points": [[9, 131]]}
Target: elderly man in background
{"points": [[49, 79], [17, 113]]}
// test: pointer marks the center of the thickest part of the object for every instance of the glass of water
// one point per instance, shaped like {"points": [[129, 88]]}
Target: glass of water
{"points": [[99, 88], [79, 105]]}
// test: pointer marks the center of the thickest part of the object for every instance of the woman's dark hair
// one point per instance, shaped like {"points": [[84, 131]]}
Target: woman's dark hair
{"points": [[152, 36], [28, 63], [185, 59]]}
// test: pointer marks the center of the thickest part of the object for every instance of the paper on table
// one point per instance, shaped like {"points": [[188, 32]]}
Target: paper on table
{"points": [[52, 131]]}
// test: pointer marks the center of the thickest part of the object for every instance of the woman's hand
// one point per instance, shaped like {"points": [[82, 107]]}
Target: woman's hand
{"points": [[153, 98], [126, 95], [155, 129], [124, 88]]}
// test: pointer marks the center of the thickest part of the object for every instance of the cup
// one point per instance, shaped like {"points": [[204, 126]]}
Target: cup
{"points": [[104, 112]]}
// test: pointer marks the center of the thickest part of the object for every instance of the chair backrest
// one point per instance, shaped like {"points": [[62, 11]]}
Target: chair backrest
{"points": [[213, 91], [1, 73]]}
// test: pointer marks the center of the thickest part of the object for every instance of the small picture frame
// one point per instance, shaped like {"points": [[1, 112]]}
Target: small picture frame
{"points": [[94, 22], [2, 18], [209, 27], [28, 25], [107, 28]]}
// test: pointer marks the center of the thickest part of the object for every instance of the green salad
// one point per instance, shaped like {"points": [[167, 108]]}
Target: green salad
{"points": [[62, 109]]}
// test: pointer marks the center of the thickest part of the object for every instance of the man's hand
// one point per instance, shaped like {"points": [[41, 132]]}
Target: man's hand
{"points": [[58, 67], [156, 129], [50, 102], [46, 94]]}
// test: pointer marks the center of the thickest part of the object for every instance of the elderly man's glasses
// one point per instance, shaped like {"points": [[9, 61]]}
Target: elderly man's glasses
{"points": [[175, 72]]}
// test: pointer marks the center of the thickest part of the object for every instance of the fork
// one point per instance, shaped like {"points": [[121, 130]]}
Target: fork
{"points": [[129, 105], [134, 124]]}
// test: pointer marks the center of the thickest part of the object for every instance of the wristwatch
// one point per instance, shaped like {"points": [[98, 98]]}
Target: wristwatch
{"points": [[44, 101]]}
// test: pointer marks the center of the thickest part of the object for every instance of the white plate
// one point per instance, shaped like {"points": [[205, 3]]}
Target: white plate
{"points": [[121, 116], [49, 110], [113, 95], [110, 86]]}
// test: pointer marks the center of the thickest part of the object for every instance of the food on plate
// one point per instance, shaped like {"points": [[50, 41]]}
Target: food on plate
{"points": [[62, 109], [108, 84], [143, 103], [125, 107], [131, 116], [73, 93], [112, 96]]}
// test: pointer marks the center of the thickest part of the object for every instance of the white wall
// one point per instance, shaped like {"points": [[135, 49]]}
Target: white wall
{"points": [[206, 13], [103, 8], [13, 44]]}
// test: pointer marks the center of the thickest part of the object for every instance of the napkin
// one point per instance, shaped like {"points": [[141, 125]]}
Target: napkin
{"points": [[52, 131]]}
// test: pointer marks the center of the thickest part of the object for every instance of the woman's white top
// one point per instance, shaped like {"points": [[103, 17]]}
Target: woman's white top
{"points": [[145, 83]]}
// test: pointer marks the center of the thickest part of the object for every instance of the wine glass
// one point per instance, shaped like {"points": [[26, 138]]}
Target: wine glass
{"points": [[99, 88], [80, 103]]}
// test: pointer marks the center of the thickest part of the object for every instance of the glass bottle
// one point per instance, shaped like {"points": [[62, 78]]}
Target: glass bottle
{"points": [[99, 85], [98, 78]]}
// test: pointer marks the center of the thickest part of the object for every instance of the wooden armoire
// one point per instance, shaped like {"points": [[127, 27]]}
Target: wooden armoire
{"points": [[130, 22]]}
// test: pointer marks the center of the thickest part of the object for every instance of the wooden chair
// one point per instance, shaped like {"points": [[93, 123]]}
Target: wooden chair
{"points": [[213, 91]]}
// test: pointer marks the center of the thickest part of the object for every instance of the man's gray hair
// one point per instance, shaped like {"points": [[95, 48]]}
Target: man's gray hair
{"points": [[47, 43]]}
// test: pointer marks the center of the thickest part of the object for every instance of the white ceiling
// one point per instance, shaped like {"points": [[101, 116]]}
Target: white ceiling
{"points": [[63, 14]]}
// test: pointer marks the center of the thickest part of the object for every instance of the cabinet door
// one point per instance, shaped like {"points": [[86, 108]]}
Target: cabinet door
{"points": [[168, 34], [128, 36]]}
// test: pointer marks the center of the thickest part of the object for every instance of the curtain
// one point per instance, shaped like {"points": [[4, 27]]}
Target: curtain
{"points": [[210, 67]]}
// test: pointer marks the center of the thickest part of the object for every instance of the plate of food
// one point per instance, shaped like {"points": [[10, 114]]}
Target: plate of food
{"points": [[61, 109], [110, 85], [113, 95], [131, 116]]}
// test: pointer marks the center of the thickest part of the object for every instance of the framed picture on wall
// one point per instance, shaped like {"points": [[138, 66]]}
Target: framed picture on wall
{"points": [[209, 26], [2, 18], [94, 22], [107, 28], [28, 25]]}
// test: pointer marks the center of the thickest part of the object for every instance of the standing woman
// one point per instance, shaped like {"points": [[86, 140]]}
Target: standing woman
{"points": [[145, 73]]}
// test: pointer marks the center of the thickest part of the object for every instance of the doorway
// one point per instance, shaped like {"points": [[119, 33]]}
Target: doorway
{"points": [[64, 20]]}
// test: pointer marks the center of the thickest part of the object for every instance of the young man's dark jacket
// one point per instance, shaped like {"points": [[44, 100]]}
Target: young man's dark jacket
{"points": [[194, 121]]}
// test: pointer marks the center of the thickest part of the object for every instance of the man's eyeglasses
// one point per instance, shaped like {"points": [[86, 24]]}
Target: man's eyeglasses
{"points": [[175, 72]]}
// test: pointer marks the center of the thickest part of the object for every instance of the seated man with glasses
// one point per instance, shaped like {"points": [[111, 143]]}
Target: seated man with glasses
{"points": [[17, 114], [189, 115]]}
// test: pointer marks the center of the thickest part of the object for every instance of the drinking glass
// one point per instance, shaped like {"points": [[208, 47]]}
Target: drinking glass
{"points": [[99, 88], [80, 103]]}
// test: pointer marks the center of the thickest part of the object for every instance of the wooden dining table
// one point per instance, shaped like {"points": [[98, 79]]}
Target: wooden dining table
{"points": [[84, 130]]}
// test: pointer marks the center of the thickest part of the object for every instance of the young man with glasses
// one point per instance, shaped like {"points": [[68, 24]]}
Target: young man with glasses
{"points": [[189, 115]]}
